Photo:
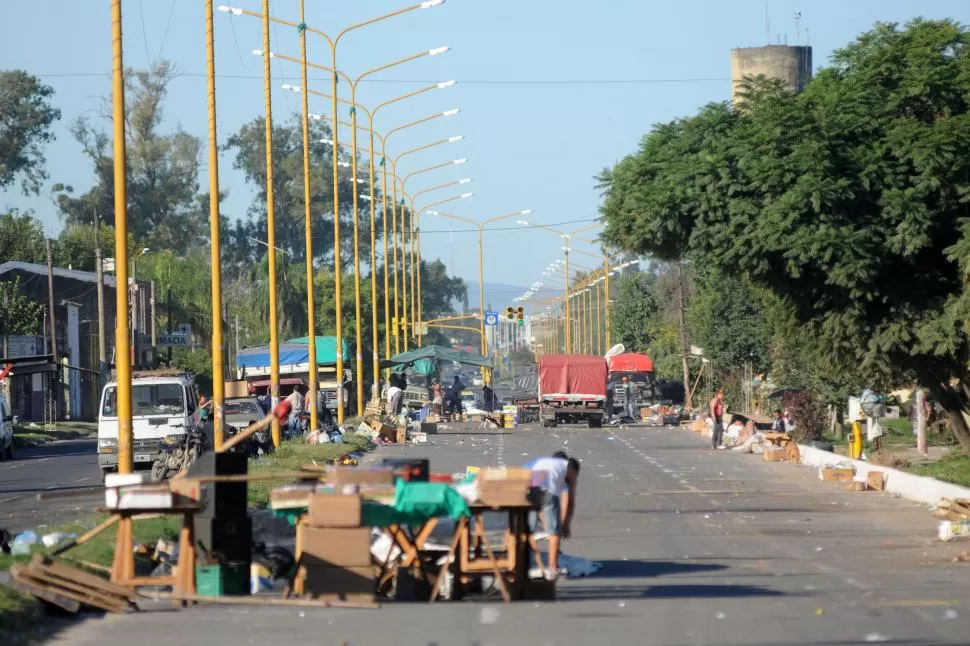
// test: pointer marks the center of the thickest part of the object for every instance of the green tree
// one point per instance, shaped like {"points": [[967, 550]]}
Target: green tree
{"points": [[26, 120], [727, 319], [847, 202], [633, 315], [19, 314], [249, 146], [21, 237], [164, 210], [76, 244]]}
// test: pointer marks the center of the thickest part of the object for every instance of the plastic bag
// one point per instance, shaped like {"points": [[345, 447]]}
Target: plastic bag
{"points": [[50, 540], [24, 543]]}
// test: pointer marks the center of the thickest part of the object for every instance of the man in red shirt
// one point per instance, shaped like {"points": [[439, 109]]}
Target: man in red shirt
{"points": [[716, 410]]}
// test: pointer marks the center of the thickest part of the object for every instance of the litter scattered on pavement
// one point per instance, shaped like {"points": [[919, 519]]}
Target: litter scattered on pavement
{"points": [[876, 637]]}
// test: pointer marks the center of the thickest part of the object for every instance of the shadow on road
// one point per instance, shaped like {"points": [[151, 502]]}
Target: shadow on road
{"points": [[95, 489], [643, 569], [689, 591]]}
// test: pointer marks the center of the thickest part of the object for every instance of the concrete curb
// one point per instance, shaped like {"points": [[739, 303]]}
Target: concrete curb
{"points": [[912, 487]]}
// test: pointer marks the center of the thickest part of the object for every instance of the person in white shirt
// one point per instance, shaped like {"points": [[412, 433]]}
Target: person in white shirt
{"points": [[561, 479], [394, 395]]}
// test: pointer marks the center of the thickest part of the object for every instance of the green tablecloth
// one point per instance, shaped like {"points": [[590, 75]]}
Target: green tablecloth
{"points": [[414, 504]]}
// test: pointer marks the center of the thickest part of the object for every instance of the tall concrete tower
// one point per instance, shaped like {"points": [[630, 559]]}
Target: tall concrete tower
{"points": [[791, 64]]}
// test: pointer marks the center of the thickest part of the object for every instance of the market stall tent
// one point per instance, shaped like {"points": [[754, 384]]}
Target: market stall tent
{"points": [[294, 354], [440, 353]]}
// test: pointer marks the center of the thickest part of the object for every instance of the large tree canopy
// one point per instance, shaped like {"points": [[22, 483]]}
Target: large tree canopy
{"points": [[249, 145], [26, 117], [164, 210], [848, 201]]}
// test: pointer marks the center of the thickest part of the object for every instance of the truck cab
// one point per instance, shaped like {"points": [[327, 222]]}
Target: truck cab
{"points": [[162, 403]]}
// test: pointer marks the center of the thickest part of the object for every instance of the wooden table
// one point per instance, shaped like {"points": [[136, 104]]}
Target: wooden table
{"points": [[474, 556], [123, 568]]}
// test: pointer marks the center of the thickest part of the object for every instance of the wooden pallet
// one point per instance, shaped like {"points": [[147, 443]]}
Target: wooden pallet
{"points": [[70, 588]]}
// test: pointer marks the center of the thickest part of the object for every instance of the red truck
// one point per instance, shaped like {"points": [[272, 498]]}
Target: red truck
{"points": [[572, 389]]}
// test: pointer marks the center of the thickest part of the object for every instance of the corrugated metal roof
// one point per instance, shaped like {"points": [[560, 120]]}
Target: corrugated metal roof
{"points": [[59, 272]]}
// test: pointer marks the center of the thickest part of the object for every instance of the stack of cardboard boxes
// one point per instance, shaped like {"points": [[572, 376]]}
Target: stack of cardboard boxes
{"points": [[335, 559]]}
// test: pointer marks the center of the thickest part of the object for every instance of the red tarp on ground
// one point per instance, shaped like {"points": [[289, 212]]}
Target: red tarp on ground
{"points": [[631, 362], [572, 374]]}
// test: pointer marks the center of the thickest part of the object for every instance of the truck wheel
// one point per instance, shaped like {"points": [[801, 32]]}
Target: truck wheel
{"points": [[595, 422]]}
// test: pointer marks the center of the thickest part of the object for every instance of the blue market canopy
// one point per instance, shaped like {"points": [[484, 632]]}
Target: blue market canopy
{"points": [[294, 352], [440, 353]]}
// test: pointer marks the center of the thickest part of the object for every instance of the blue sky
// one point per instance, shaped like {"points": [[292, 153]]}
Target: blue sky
{"points": [[550, 92]]}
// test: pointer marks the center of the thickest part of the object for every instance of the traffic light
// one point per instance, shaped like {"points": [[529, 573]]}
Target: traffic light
{"points": [[509, 313], [518, 315]]}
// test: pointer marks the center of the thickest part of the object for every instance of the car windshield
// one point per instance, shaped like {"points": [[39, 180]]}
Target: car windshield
{"points": [[148, 400], [242, 407]]}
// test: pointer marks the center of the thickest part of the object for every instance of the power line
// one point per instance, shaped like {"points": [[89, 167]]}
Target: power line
{"points": [[516, 228], [631, 81]]}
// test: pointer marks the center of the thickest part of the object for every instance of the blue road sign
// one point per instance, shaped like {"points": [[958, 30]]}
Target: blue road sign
{"points": [[491, 318]]}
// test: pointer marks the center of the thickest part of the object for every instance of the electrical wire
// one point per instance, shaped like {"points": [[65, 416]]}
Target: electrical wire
{"points": [[538, 82], [168, 24], [144, 32], [516, 228]]}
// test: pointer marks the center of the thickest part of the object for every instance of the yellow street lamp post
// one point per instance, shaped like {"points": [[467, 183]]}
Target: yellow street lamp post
{"points": [[394, 203], [215, 262], [481, 272], [274, 347], [416, 215], [371, 114], [122, 342], [333, 42]]}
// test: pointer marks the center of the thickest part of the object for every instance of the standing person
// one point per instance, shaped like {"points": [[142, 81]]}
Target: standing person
{"points": [[631, 410], [488, 395], [394, 396], [716, 409], [561, 480], [610, 395], [437, 399], [777, 422]]}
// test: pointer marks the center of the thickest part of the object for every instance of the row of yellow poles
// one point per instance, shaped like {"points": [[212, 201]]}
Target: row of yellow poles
{"points": [[122, 342], [335, 144]]}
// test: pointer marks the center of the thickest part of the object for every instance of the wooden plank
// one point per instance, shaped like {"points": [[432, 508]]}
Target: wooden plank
{"points": [[70, 573], [27, 578], [85, 595], [44, 594]]}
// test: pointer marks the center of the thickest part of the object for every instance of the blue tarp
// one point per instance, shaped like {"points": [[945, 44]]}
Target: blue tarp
{"points": [[293, 352]]}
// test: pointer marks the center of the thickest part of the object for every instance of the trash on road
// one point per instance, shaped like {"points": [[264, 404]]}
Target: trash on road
{"points": [[24, 543]]}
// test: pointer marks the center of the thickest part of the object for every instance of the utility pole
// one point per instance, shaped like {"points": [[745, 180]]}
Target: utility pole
{"points": [[168, 325], [236, 356], [99, 272], [50, 298], [682, 324], [154, 332], [920, 421], [53, 326]]}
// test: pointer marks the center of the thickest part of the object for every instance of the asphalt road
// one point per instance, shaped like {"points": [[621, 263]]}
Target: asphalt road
{"points": [[697, 547], [70, 466]]}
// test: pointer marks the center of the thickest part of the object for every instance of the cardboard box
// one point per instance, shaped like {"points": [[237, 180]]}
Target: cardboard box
{"points": [[401, 435], [514, 473], [335, 547], [335, 510], [775, 454], [430, 428], [698, 426], [186, 490], [139, 497], [343, 583], [876, 480], [857, 485], [236, 389], [339, 477], [836, 474], [419, 438]]}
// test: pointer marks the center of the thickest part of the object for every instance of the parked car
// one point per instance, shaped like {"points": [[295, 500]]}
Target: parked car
{"points": [[7, 420]]}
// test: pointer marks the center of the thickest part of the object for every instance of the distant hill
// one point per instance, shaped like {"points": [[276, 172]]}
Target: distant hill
{"points": [[499, 295]]}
